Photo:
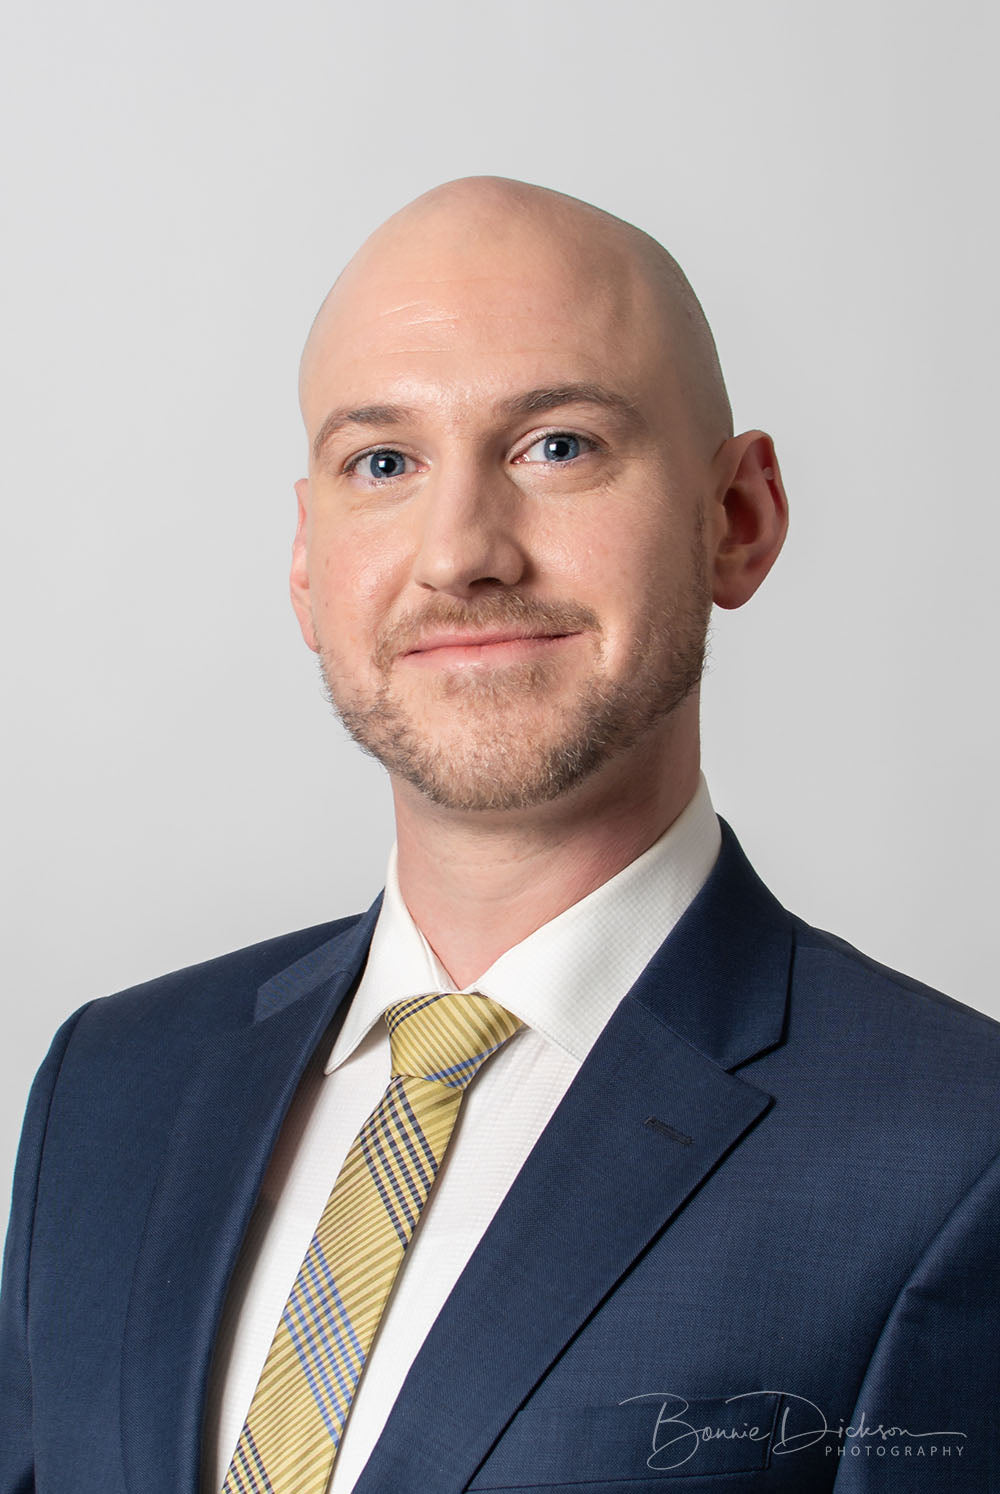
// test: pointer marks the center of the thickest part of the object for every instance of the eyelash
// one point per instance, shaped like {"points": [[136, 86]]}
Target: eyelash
{"points": [[351, 467], [587, 443]]}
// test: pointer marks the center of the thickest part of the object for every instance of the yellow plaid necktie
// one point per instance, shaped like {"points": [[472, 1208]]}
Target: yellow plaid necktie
{"points": [[297, 1415]]}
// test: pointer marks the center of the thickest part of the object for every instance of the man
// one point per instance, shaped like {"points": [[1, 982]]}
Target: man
{"points": [[676, 1187]]}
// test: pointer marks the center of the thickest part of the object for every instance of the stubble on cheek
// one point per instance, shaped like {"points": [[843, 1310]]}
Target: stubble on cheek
{"points": [[471, 737], [522, 734]]}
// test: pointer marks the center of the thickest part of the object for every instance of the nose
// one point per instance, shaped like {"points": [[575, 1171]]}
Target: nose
{"points": [[468, 539]]}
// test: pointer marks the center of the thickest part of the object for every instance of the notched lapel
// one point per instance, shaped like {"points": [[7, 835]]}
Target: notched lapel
{"points": [[228, 1121], [339, 956], [596, 1189], [721, 980]]}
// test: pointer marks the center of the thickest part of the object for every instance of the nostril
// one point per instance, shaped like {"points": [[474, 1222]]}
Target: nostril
{"points": [[456, 572]]}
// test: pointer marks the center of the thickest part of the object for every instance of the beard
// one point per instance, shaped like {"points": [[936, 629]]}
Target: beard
{"points": [[506, 738]]}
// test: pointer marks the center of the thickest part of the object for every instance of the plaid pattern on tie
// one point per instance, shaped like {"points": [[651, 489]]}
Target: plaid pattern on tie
{"points": [[296, 1418]]}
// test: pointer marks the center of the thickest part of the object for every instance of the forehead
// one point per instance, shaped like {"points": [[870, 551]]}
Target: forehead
{"points": [[458, 326]]}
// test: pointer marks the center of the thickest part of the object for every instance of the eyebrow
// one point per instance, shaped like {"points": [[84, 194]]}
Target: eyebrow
{"points": [[552, 396], [362, 415], [532, 402]]}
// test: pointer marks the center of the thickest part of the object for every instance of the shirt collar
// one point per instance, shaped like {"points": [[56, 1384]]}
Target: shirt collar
{"points": [[565, 979]]}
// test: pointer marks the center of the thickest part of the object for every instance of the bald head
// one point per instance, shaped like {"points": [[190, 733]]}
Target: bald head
{"points": [[523, 498], [487, 247]]}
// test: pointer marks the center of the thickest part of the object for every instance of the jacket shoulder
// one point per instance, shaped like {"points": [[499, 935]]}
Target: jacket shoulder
{"points": [[830, 966]]}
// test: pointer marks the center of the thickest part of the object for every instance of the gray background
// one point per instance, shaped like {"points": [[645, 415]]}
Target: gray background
{"points": [[181, 184]]}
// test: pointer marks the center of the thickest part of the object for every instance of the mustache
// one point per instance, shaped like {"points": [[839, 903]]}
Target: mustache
{"points": [[528, 615]]}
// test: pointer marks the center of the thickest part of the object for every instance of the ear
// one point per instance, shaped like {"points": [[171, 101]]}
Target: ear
{"points": [[299, 579], [749, 517]]}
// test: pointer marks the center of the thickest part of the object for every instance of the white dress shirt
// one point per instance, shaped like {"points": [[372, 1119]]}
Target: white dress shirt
{"points": [[563, 981]]}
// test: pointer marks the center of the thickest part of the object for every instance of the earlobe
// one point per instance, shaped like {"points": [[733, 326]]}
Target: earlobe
{"points": [[753, 517], [299, 577]]}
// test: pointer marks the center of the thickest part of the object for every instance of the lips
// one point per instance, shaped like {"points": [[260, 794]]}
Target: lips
{"points": [[492, 648], [478, 639], [495, 629]]}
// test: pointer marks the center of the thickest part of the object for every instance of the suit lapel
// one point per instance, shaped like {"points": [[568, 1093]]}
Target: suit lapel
{"points": [[596, 1188], [602, 1179], [228, 1121]]}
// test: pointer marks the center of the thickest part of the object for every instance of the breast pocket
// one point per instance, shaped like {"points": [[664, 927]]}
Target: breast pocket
{"points": [[645, 1440]]}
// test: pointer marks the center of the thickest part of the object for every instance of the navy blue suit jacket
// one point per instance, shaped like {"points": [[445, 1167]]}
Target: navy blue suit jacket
{"points": [[755, 1249]]}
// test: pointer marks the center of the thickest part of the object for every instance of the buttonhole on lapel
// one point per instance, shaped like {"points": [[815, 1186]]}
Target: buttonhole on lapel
{"points": [[665, 1130]]}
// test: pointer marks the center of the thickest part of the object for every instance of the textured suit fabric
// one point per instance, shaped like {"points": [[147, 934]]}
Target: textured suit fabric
{"points": [[768, 1205]]}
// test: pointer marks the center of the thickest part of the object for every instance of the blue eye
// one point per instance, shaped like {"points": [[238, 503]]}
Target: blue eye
{"points": [[384, 463], [560, 446]]}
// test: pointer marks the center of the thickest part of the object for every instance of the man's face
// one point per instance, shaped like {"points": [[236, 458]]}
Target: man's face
{"points": [[500, 556]]}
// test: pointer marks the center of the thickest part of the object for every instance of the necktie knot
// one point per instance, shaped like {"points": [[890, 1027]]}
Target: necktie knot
{"points": [[446, 1037]]}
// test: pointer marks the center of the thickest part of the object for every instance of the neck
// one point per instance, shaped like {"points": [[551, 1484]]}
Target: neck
{"points": [[477, 883]]}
